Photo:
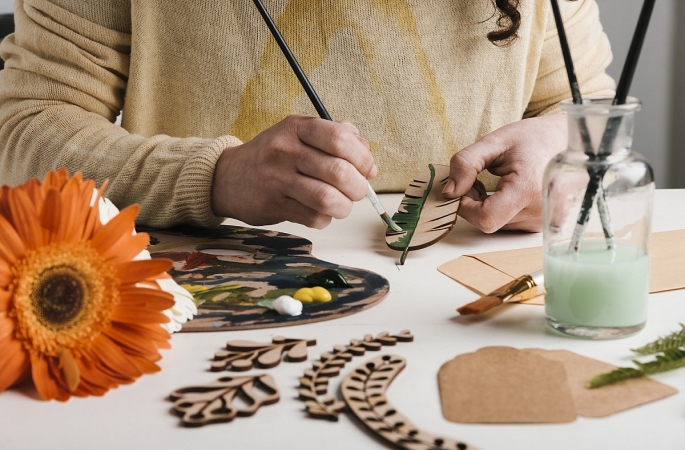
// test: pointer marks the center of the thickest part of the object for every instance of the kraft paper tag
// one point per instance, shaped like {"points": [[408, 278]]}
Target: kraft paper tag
{"points": [[608, 399], [485, 272], [505, 385]]}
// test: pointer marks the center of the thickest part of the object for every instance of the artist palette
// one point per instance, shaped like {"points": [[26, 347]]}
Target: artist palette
{"points": [[229, 270]]}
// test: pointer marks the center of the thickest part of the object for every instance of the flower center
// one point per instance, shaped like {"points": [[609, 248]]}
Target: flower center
{"points": [[58, 296], [64, 295]]}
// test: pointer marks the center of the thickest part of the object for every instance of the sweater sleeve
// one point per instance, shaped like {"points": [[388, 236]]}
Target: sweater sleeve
{"points": [[64, 83], [591, 55]]}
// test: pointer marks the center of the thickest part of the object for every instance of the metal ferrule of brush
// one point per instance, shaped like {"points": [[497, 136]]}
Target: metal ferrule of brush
{"points": [[522, 288]]}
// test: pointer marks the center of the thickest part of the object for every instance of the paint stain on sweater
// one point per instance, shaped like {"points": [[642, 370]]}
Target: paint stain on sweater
{"points": [[308, 28]]}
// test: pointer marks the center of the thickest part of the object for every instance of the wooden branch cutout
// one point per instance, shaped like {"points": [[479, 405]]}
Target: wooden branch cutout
{"points": [[424, 214], [314, 383], [364, 392], [213, 403], [240, 356]]}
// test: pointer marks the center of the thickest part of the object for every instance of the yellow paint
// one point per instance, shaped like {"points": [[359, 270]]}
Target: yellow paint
{"points": [[270, 93], [315, 294]]}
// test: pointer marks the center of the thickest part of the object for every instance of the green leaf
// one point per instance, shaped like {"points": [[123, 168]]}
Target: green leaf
{"points": [[669, 359], [672, 341], [424, 214], [266, 303]]}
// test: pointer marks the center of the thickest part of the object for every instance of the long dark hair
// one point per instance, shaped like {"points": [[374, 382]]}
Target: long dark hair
{"points": [[509, 21]]}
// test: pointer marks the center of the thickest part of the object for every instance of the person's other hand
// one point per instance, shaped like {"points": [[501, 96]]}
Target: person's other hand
{"points": [[303, 169], [518, 153]]}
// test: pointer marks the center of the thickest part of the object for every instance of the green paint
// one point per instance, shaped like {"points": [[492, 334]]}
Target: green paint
{"points": [[327, 278], [409, 218], [596, 287]]}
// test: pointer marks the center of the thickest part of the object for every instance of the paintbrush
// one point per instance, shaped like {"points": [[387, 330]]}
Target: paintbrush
{"points": [[522, 288], [594, 192], [318, 105]]}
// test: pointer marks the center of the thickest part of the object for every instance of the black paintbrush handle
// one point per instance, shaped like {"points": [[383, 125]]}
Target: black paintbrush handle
{"points": [[614, 123], [634, 52], [299, 73], [595, 178]]}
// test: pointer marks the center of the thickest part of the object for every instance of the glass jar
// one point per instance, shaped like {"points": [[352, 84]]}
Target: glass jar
{"points": [[597, 213]]}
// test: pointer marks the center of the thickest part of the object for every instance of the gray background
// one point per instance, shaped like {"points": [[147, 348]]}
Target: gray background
{"points": [[658, 82]]}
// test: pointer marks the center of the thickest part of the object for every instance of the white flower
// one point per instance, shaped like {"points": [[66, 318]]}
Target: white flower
{"points": [[184, 306], [286, 305]]}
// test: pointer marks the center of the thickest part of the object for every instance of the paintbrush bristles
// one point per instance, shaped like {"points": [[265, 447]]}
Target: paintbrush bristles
{"points": [[480, 306]]}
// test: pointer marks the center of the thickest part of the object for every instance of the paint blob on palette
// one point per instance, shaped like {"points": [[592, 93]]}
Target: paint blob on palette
{"points": [[229, 270]]}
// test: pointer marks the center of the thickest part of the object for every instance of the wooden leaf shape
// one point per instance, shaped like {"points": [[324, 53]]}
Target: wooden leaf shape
{"points": [[364, 393], [213, 403], [424, 214], [244, 346], [314, 384], [240, 356], [298, 352], [270, 358]]}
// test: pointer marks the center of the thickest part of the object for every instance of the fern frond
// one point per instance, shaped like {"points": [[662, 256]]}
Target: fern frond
{"points": [[622, 373], [672, 341], [669, 360]]}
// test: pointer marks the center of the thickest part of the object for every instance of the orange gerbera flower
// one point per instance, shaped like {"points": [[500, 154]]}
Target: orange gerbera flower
{"points": [[77, 314]]}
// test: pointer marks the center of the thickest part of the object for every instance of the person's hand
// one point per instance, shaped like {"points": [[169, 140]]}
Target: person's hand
{"points": [[518, 153], [303, 169]]}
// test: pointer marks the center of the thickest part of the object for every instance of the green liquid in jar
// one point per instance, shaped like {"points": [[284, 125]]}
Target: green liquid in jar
{"points": [[597, 287]]}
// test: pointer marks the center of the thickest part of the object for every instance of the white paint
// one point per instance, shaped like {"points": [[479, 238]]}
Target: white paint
{"points": [[287, 306]]}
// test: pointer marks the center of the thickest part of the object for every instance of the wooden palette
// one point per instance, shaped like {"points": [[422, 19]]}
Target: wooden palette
{"points": [[227, 287], [424, 214]]}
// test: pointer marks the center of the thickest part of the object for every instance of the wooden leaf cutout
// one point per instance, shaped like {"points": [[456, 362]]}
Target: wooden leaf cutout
{"points": [[314, 384], [424, 214], [240, 356], [213, 403], [364, 393]]}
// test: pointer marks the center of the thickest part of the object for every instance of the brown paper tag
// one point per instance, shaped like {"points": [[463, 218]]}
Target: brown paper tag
{"points": [[505, 385], [608, 399]]}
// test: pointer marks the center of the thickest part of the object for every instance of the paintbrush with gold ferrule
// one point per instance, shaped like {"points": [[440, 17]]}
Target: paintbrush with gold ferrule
{"points": [[522, 288]]}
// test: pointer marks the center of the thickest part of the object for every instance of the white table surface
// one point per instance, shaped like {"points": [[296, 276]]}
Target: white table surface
{"points": [[421, 299]]}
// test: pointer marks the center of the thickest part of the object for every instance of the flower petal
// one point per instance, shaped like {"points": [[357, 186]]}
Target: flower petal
{"points": [[153, 332], [50, 215], [145, 365], [134, 343], [93, 381], [126, 248], [25, 219], [151, 298], [126, 314], [55, 179], [14, 361], [11, 245], [69, 369], [113, 357], [47, 386], [134, 271], [5, 299], [122, 224]]}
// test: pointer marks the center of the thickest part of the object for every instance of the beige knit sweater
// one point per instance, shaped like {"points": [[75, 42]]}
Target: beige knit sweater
{"points": [[418, 77]]}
